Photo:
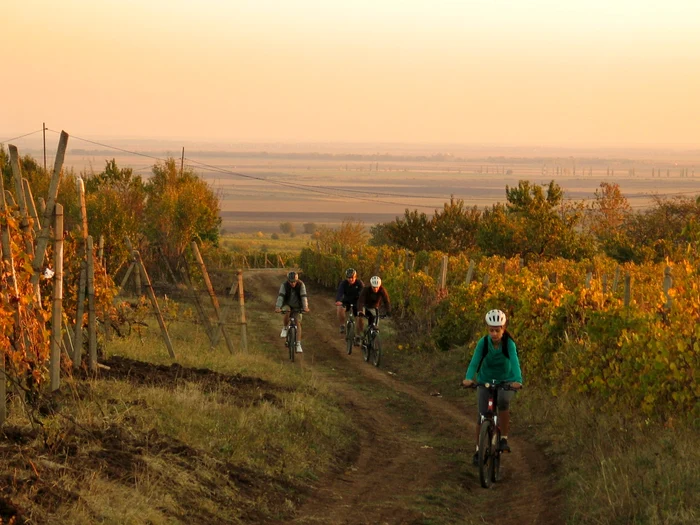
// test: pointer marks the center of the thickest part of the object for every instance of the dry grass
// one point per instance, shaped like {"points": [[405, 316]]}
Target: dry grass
{"points": [[236, 446]]}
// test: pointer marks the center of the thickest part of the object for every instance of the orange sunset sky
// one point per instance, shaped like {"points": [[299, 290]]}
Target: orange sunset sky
{"points": [[585, 73]]}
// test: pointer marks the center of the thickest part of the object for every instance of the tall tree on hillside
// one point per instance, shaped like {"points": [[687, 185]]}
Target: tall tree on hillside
{"points": [[534, 221], [454, 228], [115, 200], [180, 207]]}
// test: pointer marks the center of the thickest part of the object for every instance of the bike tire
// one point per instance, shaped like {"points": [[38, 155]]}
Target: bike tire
{"points": [[376, 350], [365, 349], [485, 453], [292, 343], [495, 467], [349, 336]]}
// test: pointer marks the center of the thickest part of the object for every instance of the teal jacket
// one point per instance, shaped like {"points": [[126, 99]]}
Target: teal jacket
{"points": [[496, 367]]}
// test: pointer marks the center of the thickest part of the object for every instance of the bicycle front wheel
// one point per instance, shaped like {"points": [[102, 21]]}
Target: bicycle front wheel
{"points": [[292, 343], [376, 350], [349, 336], [486, 453], [495, 467]]}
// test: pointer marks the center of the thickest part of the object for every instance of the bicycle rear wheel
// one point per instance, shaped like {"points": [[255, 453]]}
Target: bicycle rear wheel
{"points": [[349, 336], [486, 453], [292, 342], [376, 349]]}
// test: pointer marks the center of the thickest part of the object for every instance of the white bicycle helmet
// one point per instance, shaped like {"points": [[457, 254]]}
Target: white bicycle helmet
{"points": [[495, 318], [375, 282]]}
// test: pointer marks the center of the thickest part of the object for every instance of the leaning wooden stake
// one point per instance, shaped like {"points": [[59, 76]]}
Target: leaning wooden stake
{"points": [[212, 295], [244, 323], [31, 207], [197, 303], [137, 275], [24, 216], [92, 324], [57, 299], [43, 239], [154, 303], [80, 313]]}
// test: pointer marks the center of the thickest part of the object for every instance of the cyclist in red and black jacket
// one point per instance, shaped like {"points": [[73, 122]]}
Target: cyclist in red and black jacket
{"points": [[347, 295], [371, 298]]}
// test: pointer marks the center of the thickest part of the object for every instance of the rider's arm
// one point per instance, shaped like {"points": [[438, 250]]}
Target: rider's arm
{"points": [[476, 358], [387, 302], [280, 297], [516, 375], [304, 298], [361, 300], [341, 291]]}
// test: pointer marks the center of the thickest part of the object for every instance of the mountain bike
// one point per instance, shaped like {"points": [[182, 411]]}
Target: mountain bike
{"points": [[490, 436], [349, 328], [371, 342], [291, 341]]}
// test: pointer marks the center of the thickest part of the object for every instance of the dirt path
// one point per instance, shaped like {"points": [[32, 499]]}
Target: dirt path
{"points": [[412, 464]]}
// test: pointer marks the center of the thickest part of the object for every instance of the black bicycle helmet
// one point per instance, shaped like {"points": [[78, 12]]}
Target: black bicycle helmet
{"points": [[292, 277], [350, 273]]}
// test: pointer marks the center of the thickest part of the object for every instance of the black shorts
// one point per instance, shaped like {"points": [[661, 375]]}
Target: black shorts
{"points": [[348, 306]]}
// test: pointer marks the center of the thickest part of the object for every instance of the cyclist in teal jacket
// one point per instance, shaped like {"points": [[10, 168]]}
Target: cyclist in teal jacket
{"points": [[495, 360]]}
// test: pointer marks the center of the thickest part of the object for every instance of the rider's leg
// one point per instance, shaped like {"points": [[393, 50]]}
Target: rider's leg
{"points": [[341, 315], [286, 318], [504, 422], [298, 330]]}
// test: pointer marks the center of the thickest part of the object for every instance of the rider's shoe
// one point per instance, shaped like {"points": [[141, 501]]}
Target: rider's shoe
{"points": [[342, 329], [299, 350], [475, 459], [503, 445], [283, 333]]}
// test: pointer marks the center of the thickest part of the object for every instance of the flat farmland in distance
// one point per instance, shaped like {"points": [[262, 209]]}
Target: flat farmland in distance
{"points": [[258, 193]]}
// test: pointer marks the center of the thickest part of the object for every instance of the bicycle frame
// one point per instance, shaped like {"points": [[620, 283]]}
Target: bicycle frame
{"points": [[490, 436], [371, 347], [291, 340], [349, 328]]}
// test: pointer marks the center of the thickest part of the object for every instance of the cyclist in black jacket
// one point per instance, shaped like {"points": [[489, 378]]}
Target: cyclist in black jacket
{"points": [[371, 298], [347, 295]]}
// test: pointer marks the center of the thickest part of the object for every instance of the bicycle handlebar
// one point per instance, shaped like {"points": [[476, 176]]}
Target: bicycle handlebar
{"points": [[501, 386]]}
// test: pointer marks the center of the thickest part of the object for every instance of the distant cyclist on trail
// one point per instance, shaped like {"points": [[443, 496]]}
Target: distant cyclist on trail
{"points": [[495, 360], [292, 295], [347, 295], [371, 298]]}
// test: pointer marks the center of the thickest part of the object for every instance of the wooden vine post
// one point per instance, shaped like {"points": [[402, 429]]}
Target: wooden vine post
{"points": [[47, 216], [212, 295], [12, 293], [82, 286], [24, 217], [241, 302], [154, 303], [184, 270], [92, 324], [56, 312]]}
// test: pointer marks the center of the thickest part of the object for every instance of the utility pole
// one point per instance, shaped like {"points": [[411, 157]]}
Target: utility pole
{"points": [[43, 126], [182, 161]]}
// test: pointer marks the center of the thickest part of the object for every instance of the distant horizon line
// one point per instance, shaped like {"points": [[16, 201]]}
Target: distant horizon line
{"points": [[233, 142]]}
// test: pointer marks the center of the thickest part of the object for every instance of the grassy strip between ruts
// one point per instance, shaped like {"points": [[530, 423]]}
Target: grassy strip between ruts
{"points": [[213, 439], [613, 467]]}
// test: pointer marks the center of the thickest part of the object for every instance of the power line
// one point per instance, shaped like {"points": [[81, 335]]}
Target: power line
{"points": [[20, 137]]}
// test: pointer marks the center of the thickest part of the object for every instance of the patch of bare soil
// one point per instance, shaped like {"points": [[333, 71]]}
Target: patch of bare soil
{"points": [[413, 460], [35, 462]]}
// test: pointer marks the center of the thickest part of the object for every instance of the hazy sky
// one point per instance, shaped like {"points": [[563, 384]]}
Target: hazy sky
{"points": [[551, 72]]}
